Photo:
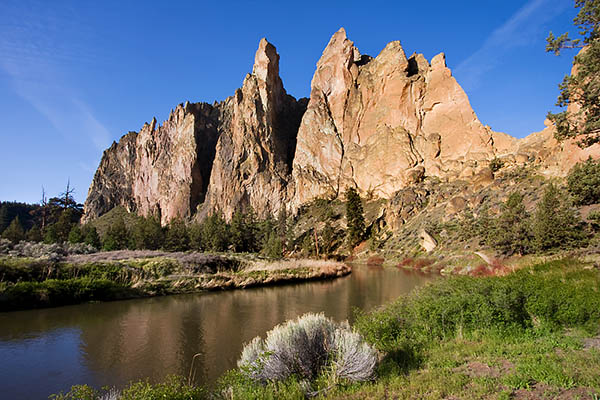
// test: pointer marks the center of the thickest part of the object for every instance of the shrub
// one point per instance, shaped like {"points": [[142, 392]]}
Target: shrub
{"points": [[584, 182], [304, 347], [496, 164], [174, 388], [556, 294]]}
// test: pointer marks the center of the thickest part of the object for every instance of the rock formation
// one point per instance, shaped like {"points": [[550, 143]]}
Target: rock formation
{"points": [[162, 170], [378, 124], [258, 138]]}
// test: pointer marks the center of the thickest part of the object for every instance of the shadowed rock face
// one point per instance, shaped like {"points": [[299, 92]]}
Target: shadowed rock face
{"points": [[161, 170], [378, 124]]}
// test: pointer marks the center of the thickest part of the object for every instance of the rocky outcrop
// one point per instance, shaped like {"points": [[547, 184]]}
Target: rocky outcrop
{"points": [[162, 170], [205, 158], [255, 149], [379, 124]]}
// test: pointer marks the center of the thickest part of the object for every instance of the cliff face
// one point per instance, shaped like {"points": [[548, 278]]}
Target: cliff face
{"points": [[382, 123], [378, 124], [232, 155], [162, 170], [257, 142]]}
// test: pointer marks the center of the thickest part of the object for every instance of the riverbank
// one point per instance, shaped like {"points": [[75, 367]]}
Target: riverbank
{"points": [[40, 282], [530, 334]]}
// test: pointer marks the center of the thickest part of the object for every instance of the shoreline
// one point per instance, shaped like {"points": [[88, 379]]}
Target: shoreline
{"points": [[29, 283]]}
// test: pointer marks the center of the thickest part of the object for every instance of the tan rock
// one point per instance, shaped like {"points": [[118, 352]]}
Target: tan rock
{"points": [[427, 241], [373, 122]]}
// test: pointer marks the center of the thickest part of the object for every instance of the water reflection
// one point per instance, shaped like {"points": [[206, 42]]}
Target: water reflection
{"points": [[113, 343]]}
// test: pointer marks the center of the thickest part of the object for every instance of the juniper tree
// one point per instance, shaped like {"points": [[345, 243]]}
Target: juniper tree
{"points": [[177, 238], [512, 232], [14, 232], [555, 223], [355, 217], [582, 88], [117, 236], [584, 182]]}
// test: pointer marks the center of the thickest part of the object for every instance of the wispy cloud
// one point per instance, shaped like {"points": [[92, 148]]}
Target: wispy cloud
{"points": [[521, 29], [34, 58]]}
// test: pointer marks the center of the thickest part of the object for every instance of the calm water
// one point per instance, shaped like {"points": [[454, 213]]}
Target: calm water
{"points": [[46, 351]]}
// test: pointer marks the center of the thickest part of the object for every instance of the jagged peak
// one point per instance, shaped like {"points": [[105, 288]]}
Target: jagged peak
{"points": [[340, 45], [439, 61], [392, 52], [266, 61]]}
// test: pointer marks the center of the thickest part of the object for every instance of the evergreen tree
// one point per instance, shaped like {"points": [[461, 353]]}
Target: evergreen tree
{"points": [[273, 248], [195, 233], [51, 235], [34, 234], [555, 223], [177, 238], [512, 233], [354, 217], [584, 182], [14, 232], [90, 236], [75, 235], [328, 238], [266, 228], [147, 234], [117, 236], [63, 226], [583, 87], [484, 225], [238, 232], [215, 233], [467, 227], [5, 219]]}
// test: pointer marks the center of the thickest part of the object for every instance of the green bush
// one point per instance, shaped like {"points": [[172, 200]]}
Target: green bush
{"points": [[584, 182], [552, 295], [496, 164]]}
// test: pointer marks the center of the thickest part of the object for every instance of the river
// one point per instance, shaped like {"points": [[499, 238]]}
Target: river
{"points": [[46, 351]]}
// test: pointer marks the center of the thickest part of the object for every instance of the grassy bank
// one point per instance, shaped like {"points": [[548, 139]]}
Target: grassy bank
{"points": [[32, 283], [528, 335]]}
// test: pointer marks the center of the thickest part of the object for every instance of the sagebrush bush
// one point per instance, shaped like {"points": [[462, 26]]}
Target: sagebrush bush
{"points": [[53, 251], [304, 347]]}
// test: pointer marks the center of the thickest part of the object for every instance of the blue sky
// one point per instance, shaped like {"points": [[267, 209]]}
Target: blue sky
{"points": [[76, 75]]}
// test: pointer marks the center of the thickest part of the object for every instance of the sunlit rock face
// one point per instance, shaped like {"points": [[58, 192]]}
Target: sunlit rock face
{"points": [[381, 123], [378, 124], [233, 155], [258, 138]]}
